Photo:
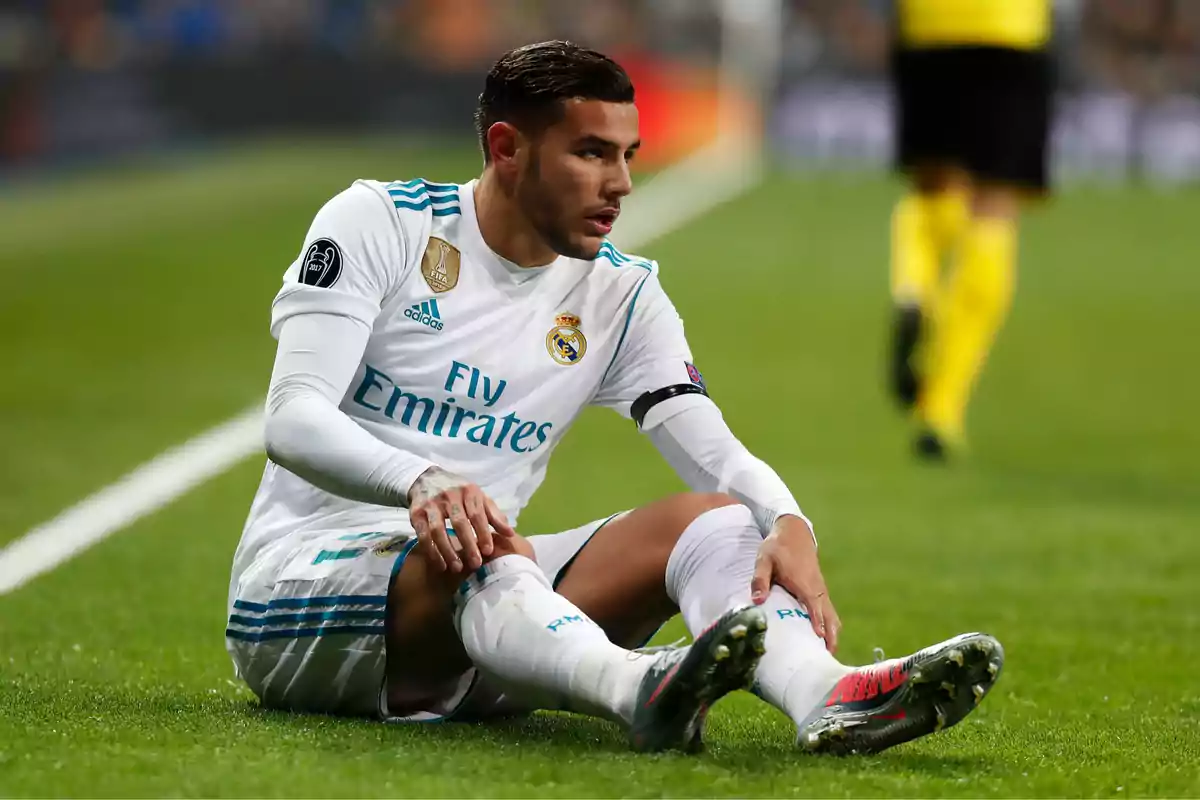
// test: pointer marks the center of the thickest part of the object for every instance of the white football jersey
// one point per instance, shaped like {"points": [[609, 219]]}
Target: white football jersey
{"points": [[474, 363]]}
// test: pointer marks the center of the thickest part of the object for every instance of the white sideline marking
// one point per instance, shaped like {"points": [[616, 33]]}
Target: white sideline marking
{"points": [[148, 488], [672, 198]]}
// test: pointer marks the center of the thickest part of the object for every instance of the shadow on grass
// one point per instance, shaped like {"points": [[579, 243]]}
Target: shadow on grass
{"points": [[546, 730], [736, 748], [737, 752], [768, 762], [570, 735]]}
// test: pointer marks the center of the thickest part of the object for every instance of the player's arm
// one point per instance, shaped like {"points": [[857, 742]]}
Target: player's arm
{"points": [[323, 318], [309, 435], [653, 382]]}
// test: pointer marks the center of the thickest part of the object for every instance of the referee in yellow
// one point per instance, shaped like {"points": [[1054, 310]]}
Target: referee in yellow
{"points": [[973, 88]]}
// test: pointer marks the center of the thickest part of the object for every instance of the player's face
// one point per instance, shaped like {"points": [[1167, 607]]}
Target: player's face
{"points": [[577, 173]]}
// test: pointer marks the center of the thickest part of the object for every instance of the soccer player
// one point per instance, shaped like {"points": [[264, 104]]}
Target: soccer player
{"points": [[972, 81], [436, 341]]}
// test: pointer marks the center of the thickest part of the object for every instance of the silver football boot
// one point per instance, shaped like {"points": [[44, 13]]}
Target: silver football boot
{"points": [[683, 683], [892, 702]]}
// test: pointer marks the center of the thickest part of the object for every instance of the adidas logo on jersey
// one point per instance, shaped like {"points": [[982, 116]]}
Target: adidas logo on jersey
{"points": [[425, 313]]}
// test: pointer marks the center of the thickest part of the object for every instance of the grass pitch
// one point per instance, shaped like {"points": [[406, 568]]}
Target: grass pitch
{"points": [[134, 314]]}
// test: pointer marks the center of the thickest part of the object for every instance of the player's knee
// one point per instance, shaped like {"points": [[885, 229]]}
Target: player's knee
{"points": [[506, 546], [935, 178], [418, 593], [683, 513], [996, 201], [416, 597], [684, 509], [701, 502]]}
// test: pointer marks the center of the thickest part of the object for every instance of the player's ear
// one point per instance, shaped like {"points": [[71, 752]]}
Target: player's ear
{"points": [[503, 141]]}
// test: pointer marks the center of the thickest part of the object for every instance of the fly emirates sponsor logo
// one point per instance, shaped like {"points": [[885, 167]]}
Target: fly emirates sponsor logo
{"points": [[445, 417]]}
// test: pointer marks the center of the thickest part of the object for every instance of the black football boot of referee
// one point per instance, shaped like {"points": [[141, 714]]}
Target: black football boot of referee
{"points": [[906, 334]]}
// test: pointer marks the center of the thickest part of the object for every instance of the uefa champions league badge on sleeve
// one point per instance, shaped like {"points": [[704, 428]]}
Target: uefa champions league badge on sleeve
{"points": [[322, 264], [695, 376]]}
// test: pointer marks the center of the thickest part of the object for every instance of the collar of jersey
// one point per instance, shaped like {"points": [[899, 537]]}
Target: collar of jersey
{"points": [[498, 263]]}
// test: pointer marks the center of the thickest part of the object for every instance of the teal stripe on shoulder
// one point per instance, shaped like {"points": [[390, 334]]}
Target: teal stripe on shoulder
{"points": [[420, 186], [607, 255], [419, 194], [408, 192], [417, 205], [450, 206], [440, 188], [625, 330], [441, 194], [613, 253], [619, 259]]}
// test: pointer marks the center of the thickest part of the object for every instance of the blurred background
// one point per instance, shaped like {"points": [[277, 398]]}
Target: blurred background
{"points": [[161, 160], [89, 79]]}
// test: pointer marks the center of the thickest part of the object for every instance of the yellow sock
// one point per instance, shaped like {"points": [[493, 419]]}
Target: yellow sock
{"points": [[915, 251], [925, 230], [966, 318]]}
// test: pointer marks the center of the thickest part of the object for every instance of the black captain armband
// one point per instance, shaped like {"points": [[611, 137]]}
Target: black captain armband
{"points": [[650, 399]]}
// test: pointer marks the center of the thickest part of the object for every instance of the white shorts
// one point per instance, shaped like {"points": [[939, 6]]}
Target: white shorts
{"points": [[306, 628]]}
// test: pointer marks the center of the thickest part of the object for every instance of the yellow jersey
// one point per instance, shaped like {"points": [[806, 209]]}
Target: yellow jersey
{"points": [[1021, 24]]}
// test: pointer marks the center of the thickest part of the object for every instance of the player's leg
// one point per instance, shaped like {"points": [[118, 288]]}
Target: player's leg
{"points": [[1006, 140], [505, 626], [428, 671], [970, 312], [541, 651], [697, 553], [926, 225], [356, 623], [353, 623], [616, 570], [308, 621], [927, 220]]}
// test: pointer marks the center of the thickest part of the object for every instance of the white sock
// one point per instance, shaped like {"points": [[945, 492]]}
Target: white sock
{"points": [[709, 572], [539, 647]]}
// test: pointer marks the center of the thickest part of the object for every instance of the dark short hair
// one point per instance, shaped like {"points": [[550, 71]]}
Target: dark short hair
{"points": [[527, 86]]}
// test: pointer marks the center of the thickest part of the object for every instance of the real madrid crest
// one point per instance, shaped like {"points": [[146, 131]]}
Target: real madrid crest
{"points": [[440, 265], [565, 342], [390, 546]]}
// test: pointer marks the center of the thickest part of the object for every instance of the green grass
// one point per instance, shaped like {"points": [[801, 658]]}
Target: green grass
{"points": [[132, 321]]}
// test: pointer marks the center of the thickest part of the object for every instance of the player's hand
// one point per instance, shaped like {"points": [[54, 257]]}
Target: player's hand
{"points": [[788, 557], [437, 497]]}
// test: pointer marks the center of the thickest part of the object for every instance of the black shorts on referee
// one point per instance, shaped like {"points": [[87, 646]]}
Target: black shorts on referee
{"points": [[985, 109]]}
